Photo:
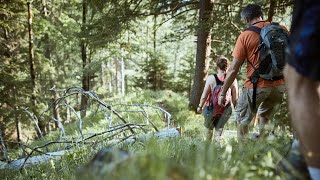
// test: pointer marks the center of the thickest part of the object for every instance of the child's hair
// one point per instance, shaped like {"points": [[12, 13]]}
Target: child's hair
{"points": [[222, 63]]}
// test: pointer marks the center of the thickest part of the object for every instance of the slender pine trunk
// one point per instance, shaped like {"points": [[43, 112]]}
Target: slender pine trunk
{"points": [[33, 72], [3, 147], [203, 51], [85, 74], [122, 78], [271, 9]]}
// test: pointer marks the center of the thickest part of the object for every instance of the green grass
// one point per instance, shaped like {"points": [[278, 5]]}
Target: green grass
{"points": [[186, 157]]}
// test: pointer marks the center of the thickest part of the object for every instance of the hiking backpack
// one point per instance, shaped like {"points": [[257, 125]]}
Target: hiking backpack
{"points": [[214, 106], [272, 45]]}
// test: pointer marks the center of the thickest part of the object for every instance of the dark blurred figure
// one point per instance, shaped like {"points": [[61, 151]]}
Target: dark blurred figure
{"points": [[302, 75]]}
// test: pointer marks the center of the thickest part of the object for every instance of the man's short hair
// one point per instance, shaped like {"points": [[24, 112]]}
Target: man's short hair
{"points": [[251, 11]]}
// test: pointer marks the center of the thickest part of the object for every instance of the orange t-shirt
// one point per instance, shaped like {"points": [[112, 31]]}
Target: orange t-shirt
{"points": [[245, 48]]}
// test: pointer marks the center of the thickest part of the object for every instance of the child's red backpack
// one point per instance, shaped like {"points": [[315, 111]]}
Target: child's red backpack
{"points": [[216, 109]]}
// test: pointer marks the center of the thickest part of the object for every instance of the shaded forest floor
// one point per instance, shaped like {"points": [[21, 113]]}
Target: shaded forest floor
{"points": [[185, 157]]}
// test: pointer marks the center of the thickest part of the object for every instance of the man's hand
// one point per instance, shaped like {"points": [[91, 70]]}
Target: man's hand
{"points": [[222, 99]]}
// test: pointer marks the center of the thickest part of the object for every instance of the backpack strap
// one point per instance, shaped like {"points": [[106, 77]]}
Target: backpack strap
{"points": [[254, 78], [254, 29], [218, 80]]}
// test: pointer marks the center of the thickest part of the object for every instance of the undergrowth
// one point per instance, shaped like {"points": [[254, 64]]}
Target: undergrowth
{"points": [[185, 157]]}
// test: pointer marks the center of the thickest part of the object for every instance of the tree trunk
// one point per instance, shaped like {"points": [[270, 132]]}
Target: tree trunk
{"points": [[176, 61], [103, 75], [85, 75], [18, 129], [55, 110], [190, 85], [122, 78], [3, 147], [31, 55], [203, 51], [271, 9], [154, 33], [17, 122], [47, 54], [109, 65], [32, 70], [147, 44], [126, 84], [116, 76]]}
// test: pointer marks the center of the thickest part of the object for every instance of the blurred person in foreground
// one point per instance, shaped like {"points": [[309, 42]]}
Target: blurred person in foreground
{"points": [[302, 75]]}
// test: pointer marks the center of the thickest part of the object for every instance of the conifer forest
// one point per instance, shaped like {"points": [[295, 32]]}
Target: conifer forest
{"points": [[108, 89]]}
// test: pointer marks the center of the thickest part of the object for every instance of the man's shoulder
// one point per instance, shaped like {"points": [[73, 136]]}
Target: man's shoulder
{"points": [[247, 36], [246, 33], [262, 24]]}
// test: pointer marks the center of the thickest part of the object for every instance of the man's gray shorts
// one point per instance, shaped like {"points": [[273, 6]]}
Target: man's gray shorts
{"points": [[266, 100]]}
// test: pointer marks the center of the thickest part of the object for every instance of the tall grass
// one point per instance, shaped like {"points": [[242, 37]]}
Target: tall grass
{"points": [[186, 157]]}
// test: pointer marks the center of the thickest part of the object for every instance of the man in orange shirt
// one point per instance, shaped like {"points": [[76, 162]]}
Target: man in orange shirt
{"points": [[269, 93]]}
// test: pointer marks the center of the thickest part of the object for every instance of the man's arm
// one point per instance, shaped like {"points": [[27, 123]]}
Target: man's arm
{"points": [[234, 92], [231, 75]]}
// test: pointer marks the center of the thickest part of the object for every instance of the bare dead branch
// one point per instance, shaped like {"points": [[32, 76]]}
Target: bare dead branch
{"points": [[63, 132], [25, 146], [77, 142], [168, 115], [78, 117], [147, 118], [126, 131], [34, 120]]}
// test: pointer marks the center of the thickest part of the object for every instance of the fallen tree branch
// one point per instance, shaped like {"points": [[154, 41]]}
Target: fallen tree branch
{"points": [[78, 117], [148, 121], [34, 120], [167, 114], [127, 132], [77, 142], [25, 162], [60, 126]]}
